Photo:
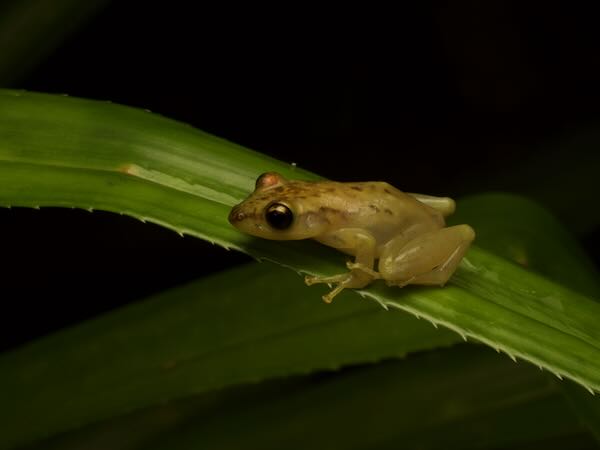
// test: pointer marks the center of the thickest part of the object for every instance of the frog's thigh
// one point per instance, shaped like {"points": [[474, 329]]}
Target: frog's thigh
{"points": [[430, 258], [397, 242]]}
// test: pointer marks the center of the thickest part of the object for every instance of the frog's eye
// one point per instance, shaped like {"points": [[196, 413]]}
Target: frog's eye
{"points": [[279, 216]]}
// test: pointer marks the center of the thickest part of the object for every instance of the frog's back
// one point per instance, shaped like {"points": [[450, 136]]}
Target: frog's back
{"points": [[376, 206]]}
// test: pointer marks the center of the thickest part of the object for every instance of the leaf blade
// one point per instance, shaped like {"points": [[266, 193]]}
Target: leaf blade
{"points": [[68, 152], [190, 340]]}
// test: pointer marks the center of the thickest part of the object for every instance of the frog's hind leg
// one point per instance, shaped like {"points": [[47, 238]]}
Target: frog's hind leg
{"points": [[444, 205], [362, 244], [429, 259]]}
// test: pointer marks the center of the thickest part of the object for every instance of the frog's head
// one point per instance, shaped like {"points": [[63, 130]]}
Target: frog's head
{"points": [[278, 209]]}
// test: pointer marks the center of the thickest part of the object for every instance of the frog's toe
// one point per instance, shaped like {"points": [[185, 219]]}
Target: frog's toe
{"points": [[354, 279], [310, 280], [328, 298]]}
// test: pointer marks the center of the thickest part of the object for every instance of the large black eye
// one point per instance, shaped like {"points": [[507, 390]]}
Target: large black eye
{"points": [[279, 216]]}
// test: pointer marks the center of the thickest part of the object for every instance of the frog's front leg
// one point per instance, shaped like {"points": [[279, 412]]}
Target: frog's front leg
{"points": [[357, 242], [429, 259]]}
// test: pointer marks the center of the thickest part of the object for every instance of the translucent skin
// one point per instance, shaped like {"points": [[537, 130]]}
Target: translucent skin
{"points": [[368, 220]]}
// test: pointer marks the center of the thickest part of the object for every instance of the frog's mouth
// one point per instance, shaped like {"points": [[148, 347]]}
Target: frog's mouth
{"points": [[239, 218]]}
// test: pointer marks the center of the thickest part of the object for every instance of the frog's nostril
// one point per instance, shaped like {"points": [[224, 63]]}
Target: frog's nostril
{"points": [[236, 215]]}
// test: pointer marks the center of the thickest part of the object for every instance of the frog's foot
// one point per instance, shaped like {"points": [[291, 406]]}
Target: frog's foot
{"points": [[342, 281], [353, 279], [310, 280]]}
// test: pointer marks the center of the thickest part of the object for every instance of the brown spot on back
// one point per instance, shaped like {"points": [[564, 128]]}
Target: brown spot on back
{"points": [[388, 211], [356, 188], [374, 208], [326, 209], [387, 191]]}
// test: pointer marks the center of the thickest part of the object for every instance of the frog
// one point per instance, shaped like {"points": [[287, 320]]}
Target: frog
{"points": [[405, 234]]}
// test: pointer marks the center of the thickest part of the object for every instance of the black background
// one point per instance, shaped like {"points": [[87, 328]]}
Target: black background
{"points": [[430, 98]]}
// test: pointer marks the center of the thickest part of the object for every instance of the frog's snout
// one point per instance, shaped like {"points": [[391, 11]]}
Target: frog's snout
{"points": [[236, 216]]}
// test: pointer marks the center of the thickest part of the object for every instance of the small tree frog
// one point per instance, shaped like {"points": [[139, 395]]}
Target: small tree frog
{"points": [[371, 221]]}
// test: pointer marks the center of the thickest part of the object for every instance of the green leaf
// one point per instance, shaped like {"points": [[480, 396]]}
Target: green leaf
{"points": [[70, 152], [57, 151], [520, 230], [537, 240], [239, 326], [461, 397]]}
